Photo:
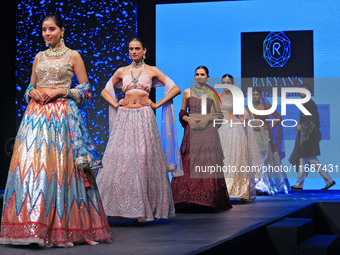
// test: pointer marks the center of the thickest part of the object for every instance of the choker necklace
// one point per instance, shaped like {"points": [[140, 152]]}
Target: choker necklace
{"points": [[56, 52], [137, 65], [135, 80]]}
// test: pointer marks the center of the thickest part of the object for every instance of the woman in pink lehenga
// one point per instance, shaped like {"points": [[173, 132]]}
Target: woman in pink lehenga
{"points": [[134, 181]]}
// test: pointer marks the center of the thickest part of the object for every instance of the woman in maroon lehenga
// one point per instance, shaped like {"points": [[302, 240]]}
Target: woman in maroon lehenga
{"points": [[200, 190]]}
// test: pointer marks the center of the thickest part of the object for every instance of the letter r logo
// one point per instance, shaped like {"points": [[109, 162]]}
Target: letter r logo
{"points": [[276, 47]]}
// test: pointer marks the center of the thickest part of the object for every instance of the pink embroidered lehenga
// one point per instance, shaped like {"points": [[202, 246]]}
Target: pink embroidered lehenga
{"points": [[134, 181]]}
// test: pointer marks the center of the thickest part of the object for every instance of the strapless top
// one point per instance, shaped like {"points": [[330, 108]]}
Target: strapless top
{"points": [[195, 105], [227, 105], [143, 84], [54, 73]]}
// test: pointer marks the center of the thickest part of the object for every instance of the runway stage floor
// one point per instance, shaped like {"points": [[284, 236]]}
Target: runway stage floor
{"points": [[189, 233]]}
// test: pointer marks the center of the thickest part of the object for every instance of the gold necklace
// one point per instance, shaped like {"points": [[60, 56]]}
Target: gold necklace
{"points": [[56, 52], [198, 91]]}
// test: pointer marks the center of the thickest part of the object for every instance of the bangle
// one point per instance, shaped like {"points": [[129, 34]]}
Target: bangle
{"points": [[29, 93], [67, 93], [188, 119]]}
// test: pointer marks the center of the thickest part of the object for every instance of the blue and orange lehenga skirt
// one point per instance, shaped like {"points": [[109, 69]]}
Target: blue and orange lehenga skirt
{"points": [[51, 197]]}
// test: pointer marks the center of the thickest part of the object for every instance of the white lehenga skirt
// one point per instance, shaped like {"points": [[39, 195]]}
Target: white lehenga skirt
{"points": [[240, 153], [134, 182], [273, 181]]}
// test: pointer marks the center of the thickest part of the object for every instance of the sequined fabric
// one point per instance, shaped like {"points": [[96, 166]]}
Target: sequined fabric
{"points": [[273, 181], [134, 182], [271, 147], [54, 73], [200, 148], [240, 152], [235, 147], [46, 200]]}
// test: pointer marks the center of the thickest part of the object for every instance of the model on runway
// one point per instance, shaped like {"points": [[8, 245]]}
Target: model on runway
{"points": [[269, 138], [307, 146], [239, 148], [201, 147], [51, 198], [134, 181]]}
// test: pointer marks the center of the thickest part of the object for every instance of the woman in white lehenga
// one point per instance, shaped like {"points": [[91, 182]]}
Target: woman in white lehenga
{"points": [[270, 143], [134, 181], [239, 148]]}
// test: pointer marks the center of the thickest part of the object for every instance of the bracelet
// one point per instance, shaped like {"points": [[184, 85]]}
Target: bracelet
{"points": [[188, 119], [29, 93], [67, 93], [218, 114]]}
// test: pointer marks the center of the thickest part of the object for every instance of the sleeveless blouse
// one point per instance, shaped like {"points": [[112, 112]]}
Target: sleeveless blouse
{"points": [[54, 72], [227, 105], [143, 85]]}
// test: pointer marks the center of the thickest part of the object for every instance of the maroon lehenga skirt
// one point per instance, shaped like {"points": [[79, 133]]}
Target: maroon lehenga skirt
{"points": [[200, 190]]}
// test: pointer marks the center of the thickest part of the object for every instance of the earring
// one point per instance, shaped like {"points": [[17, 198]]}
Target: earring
{"points": [[144, 57], [46, 44], [62, 42], [130, 58]]}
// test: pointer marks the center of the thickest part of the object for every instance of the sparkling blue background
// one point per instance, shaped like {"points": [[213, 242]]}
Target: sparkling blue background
{"points": [[98, 30]]}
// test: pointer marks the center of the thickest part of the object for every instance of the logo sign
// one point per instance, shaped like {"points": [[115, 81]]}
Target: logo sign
{"points": [[276, 49], [238, 100], [277, 59]]}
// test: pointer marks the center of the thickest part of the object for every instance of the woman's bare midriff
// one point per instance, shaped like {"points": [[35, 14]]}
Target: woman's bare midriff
{"points": [[134, 98], [45, 89]]}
